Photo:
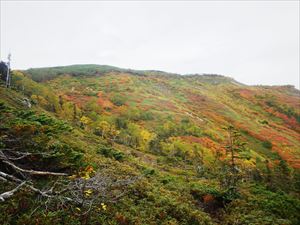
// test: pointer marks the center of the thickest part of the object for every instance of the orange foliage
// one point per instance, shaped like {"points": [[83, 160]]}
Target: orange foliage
{"points": [[104, 102], [274, 137], [208, 198], [288, 156], [289, 120], [214, 117], [246, 93], [196, 98], [205, 141], [124, 79], [79, 100], [122, 220], [120, 110]]}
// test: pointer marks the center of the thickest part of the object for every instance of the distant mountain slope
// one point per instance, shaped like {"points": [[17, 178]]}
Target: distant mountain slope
{"points": [[170, 130], [209, 101], [47, 73]]}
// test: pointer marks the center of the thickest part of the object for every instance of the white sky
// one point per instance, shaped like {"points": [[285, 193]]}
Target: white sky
{"points": [[255, 42]]}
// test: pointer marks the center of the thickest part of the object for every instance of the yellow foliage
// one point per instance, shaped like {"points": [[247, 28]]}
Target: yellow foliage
{"points": [[72, 177], [40, 100], [85, 120], [103, 125], [107, 130], [103, 206], [88, 192], [86, 174], [146, 137]]}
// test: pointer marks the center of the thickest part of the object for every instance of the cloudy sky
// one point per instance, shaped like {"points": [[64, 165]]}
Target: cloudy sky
{"points": [[255, 42]]}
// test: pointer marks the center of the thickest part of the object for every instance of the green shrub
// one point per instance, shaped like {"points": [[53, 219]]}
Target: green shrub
{"points": [[262, 206], [168, 179], [264, 122], [149, 172], [198, 191], [267, 144], [118, 100], [111, 153], [146, 115]]}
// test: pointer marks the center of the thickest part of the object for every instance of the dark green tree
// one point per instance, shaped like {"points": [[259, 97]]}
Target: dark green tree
{"points": [[234, 151], [282, 173]]}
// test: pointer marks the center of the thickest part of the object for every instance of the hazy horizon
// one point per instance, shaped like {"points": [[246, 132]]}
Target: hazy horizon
{"points": [[256, 43]]}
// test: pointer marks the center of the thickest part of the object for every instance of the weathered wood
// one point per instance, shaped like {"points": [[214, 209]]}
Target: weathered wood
{"points": [[10, 193], [34, 172]]}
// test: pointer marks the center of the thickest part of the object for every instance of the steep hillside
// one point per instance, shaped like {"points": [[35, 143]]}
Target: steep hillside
{"points": [[168, 137], [207, 103]]}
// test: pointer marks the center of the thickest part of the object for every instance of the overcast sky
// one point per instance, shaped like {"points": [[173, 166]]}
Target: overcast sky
{"points": [[255, 42]]}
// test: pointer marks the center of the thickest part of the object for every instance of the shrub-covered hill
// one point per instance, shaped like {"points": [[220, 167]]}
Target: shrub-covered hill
{"points": [[191, 109], [121, 146]]}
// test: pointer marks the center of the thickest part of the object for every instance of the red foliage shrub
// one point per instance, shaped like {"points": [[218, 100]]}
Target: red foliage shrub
{"points": [[121, 219], [208, 198]]}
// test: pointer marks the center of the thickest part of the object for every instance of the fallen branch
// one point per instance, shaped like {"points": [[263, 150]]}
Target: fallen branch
{"points": [[46, 194], [9, 177], [8, 194], [34, 172], [3, 179]]}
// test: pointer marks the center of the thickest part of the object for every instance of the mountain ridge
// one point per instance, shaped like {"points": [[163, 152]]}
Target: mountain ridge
{"points": [[97, 69]]}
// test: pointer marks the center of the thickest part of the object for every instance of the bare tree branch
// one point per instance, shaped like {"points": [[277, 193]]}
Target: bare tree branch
{"points": [[34, 172], [10, 193], [3, 179], [10, 177]]}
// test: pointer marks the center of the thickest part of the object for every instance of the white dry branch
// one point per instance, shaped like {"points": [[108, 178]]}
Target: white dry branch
{"points": [[85, 192], [10, 193], [81, 192], [33, 172]]}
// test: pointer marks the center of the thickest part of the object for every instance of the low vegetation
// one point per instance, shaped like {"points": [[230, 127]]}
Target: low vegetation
{"points": [[89, 144]]}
